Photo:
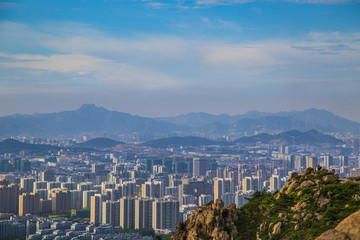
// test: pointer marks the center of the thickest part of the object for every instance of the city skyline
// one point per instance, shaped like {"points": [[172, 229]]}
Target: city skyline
{"points": [[172, 57]]}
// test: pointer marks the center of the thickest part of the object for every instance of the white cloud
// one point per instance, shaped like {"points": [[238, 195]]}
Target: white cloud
{"points": [[231, 2], [315, 1], [221, 2], [88, 56], [7, 5], [239, 56], [101, 71], [221, 24]]}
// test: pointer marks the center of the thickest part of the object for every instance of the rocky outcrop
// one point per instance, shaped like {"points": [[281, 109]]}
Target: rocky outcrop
{"points": [[277, 228], [211, 221], [347, 229], [304, 201]]}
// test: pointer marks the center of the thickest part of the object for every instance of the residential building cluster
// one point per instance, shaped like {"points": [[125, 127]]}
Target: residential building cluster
{"points": [[137, 187]]}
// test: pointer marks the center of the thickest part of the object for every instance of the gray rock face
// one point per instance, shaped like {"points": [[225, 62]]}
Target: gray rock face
{"points": [[347, 229], [333, 235], [212, 221], [277, 228], [307, 184]]}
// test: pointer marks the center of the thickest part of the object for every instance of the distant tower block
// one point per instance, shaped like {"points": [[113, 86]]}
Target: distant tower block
{"points": [[356, 144], [328, 162], [311, 162]]}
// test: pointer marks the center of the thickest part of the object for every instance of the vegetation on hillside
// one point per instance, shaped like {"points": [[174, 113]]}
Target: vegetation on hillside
{"points": [[305, 207]]}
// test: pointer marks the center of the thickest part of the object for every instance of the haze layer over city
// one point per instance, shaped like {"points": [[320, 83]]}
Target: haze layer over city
{"points": [[184, 119]]}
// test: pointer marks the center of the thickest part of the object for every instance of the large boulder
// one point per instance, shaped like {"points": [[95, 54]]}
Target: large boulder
{"points": [[347, 229], [333, 234], [212, 221]]}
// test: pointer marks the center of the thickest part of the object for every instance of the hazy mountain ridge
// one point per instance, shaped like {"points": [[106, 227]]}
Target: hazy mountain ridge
{"points": [[14, 146], [90, 118], [318, 119], [288, 137], [182, 141], [293, 137]]}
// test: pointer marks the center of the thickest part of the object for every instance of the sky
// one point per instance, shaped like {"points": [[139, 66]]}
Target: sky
{"points": [[164, 58]]}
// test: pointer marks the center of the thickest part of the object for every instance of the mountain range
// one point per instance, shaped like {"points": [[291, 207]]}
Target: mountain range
{"points": [[88, 118], [182, 141], [311, 137], [293, 137], [94, 119], [321, 120]]}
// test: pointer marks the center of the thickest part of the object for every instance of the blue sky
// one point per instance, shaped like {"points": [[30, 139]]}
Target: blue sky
{"points": [[161, 58]]}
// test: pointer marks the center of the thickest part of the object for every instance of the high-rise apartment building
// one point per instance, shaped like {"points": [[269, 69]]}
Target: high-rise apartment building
{"points": [[27, 185], [87, 196], [95, 209], [43, 193], [53, 185], [344, 161], [39, 185], [127, 213], [299, 162], [195, 188], [328, 161], [247, 184], [85, 186], [76, 200], [200, 166], [356, 146], [219, 188], [29, 203], [61, 201], [143, 213], [155, 189], [111, 213], [9, 198], [311, 162], [165, 214], [204, 199], [274, 182], [48, 176]]}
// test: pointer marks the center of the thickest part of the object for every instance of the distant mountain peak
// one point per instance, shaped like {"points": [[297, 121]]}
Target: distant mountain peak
{"points": [[99, 143], [87, 107]]}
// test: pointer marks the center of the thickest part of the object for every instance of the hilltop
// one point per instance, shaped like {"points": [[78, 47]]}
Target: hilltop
{"points": [[14, 146], [307, 206], [99, 143]]}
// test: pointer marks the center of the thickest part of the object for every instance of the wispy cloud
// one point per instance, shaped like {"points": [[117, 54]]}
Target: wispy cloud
{"points": [[222, 24], [231, 2], [316, 1], [221, 2], [7, 5], [157, 5], [326, 49], [81, 55], [92, 70]]}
